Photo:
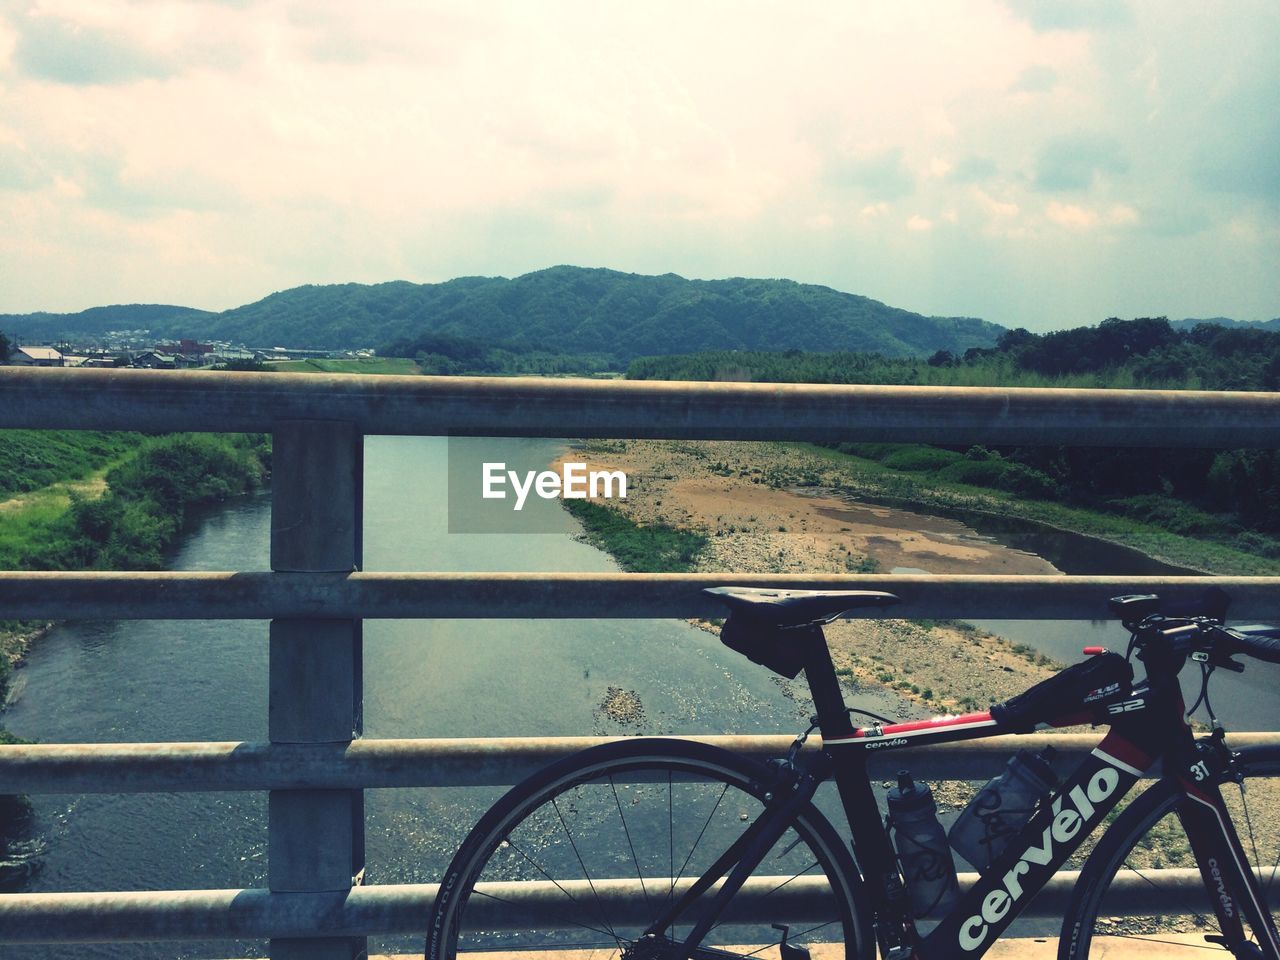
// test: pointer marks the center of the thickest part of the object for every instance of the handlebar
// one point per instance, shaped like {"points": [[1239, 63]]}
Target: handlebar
{"points": [[1202, 637], [1258, 640]]}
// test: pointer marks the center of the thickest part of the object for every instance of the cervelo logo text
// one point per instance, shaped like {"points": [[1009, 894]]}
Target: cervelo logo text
{"points": [[1066, 823], [877, 744], [576, 483], [1223, 898]]}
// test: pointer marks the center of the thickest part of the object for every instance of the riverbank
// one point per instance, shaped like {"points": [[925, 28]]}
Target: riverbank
{"points": [[872, 480], [739, 498], [120, 517], [794, 508]]}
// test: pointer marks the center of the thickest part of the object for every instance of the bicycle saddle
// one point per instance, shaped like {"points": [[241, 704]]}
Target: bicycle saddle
{"points": [[793, 608]]}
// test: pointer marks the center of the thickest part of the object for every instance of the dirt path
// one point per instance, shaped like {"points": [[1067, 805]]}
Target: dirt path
{"points": [[90, 488]]}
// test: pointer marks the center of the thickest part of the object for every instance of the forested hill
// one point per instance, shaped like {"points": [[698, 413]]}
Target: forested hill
{"points": [[38, 327], [576, 311]]}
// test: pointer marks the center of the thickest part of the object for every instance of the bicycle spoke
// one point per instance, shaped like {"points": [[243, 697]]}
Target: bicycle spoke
{"points": [[1167, 943], [631, 846], [1249, 825], [702, 832], [571, 922], [671, 846], [533, 863], [599, 907], [770, 893]]}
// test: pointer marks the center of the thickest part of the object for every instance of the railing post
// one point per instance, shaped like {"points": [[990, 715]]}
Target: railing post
{"points": [[316, 837]]}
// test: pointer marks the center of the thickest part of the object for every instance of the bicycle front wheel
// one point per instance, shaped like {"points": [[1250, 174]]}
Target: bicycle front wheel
{"points": [[590, 852], [1141, 884]]}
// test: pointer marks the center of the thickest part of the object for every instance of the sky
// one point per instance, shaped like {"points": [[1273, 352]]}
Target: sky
{"points": [[1034, 163]]}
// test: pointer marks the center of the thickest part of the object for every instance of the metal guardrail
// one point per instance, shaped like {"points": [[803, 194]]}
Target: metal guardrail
{"points": [[401, 908], [486, 762], [623, 596], [164, 400], [315, 765]]}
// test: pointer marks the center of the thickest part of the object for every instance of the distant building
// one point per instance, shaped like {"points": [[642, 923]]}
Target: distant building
{"points": [[36, 357], [155, 360], [186, 347]]}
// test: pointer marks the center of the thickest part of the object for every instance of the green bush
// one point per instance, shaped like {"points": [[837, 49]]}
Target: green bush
{"points": [[1173, 515], [185, 468], [1001, 475], [920, 458], [653, 548], [145, 506]]}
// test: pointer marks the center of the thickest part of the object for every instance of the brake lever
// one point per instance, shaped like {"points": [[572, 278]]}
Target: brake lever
{"points": [[1222, 661]]}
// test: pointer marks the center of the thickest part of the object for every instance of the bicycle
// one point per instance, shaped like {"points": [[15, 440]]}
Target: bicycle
{"points": [[665, 849]]}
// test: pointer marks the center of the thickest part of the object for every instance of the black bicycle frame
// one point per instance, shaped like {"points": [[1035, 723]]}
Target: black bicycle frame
{"points": [[1146, 728]]}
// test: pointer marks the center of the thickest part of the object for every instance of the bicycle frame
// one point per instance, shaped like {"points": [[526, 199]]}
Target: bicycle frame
{"points": [[1148, 729]]}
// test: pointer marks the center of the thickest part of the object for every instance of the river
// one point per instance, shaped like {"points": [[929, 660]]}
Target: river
{"points": [[194, 680]]}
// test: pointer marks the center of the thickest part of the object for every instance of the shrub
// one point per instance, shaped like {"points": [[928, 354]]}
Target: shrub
{"points": [[1002, 475], [1172, 515], [920, 458]]}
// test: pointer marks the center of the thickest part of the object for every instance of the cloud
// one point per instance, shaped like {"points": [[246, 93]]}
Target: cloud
{"points": [[109, 184], [1080, 218], [54, 49], [1073, 163], [1174, 219], [882, 175], [1037, 78], [19, 170], [973, 169], [1245, 159], [1070, 215], [1072, 15]]}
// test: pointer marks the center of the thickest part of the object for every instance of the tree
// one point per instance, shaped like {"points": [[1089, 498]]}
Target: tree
{"points": [[6, 348]]}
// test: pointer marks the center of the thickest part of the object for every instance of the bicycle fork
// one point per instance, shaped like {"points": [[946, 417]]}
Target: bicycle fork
{"points": [[1236, 895]]}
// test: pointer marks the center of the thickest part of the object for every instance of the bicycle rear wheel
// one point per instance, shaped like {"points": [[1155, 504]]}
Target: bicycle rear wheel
{"points": [[1141, 883], [586, 854]]}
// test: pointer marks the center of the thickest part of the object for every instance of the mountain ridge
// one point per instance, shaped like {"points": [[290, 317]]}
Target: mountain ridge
{"points": [[560, 309]]}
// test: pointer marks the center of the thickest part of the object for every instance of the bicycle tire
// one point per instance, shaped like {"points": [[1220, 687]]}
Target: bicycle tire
{"points": [[710, 794], [1148, 836]]}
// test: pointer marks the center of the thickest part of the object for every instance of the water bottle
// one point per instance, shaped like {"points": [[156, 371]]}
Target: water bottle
{"points": [[922, 848], [1003, 807]]}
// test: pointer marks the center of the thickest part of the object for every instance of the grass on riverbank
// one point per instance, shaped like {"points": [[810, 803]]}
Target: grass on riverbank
{"points": [[876, 479], [131, 524], [31, 460], [651, 548]]}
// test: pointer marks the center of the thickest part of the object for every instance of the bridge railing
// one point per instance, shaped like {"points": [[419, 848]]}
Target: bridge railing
{"points": [[316, 765]]}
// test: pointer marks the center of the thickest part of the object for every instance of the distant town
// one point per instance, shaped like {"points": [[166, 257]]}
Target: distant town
{"points": [[135, 348]]}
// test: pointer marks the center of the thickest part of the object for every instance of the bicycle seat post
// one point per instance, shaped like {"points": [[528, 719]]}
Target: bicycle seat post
{"points": [[824, 685]]}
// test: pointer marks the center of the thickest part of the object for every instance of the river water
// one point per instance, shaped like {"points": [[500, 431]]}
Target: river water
{"points": [[192, 680]]}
